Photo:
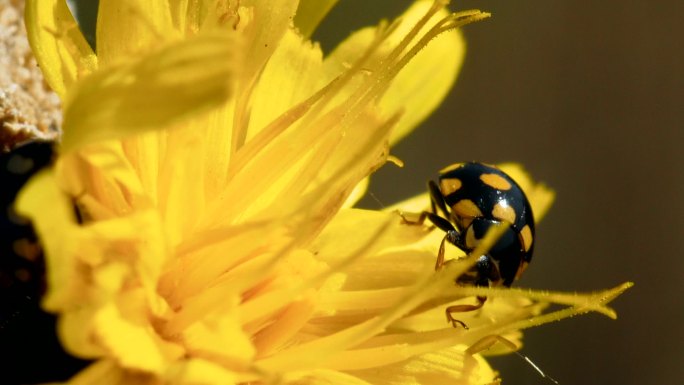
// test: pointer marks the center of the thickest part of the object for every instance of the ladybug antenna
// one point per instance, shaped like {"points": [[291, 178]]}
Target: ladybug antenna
{"points": [[533, 365], [370, 193], [488, 341]]}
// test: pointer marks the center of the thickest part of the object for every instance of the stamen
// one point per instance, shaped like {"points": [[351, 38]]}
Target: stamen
{"points": [[382, 33], [425, 286], [450, 22], [275, 128], [583, 303], [310, 109], [381, 79], [241, 115], [436, 6], [273, 301]]}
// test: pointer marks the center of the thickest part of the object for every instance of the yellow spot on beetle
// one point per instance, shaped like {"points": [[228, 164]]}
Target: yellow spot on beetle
{"points": [[526, 235], [504, 212], [521, 269], [466, 210], [496, 181], [471, 240], [449, 185]]}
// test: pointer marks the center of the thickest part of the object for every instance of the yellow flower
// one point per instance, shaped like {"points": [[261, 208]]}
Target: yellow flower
{"points": [[213, 155]]}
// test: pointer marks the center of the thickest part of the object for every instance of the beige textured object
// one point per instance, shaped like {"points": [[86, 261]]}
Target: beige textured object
{"points": [[28, 108]]}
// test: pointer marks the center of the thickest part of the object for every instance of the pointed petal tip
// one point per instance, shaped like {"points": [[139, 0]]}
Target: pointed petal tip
{"points": [[601, 299]]}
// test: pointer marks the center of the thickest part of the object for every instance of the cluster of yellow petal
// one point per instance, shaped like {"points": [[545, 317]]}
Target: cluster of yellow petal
{"points": [[211, 151]]}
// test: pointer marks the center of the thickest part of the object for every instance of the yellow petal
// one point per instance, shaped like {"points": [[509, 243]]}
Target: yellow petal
{"points": [[318, 177], [134, 344], [293, 318], [270, 21], [103, 179], [422, 84], [378, 270], [447, 366], [105, 372], [310, 13], [267, 23], [221, 337], [324, 377], [357, 194], [126, 28], [54, 221], [197, 371], [332, 349], [180, 80], [278, 90], [73, 329], [60, 48]]}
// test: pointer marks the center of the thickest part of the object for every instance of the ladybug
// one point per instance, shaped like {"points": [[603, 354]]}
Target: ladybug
{"points": [[468, 199]]}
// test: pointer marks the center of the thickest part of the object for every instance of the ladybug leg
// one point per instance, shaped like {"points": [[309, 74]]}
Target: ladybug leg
{"points": [[437, 200], [452, 236], [462, 309], [487, 271], [414, 222], [481, 274], [436, 203], [488, 341]]}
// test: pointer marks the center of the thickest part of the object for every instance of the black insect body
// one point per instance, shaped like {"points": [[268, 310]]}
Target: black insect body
{"points": [[468, 199]]}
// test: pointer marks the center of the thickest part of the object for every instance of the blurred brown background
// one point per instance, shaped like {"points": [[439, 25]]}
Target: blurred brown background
{"points": [[588, 96]]}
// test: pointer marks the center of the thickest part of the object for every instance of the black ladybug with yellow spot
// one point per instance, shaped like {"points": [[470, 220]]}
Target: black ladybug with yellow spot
{"points": [[468, 199]]}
